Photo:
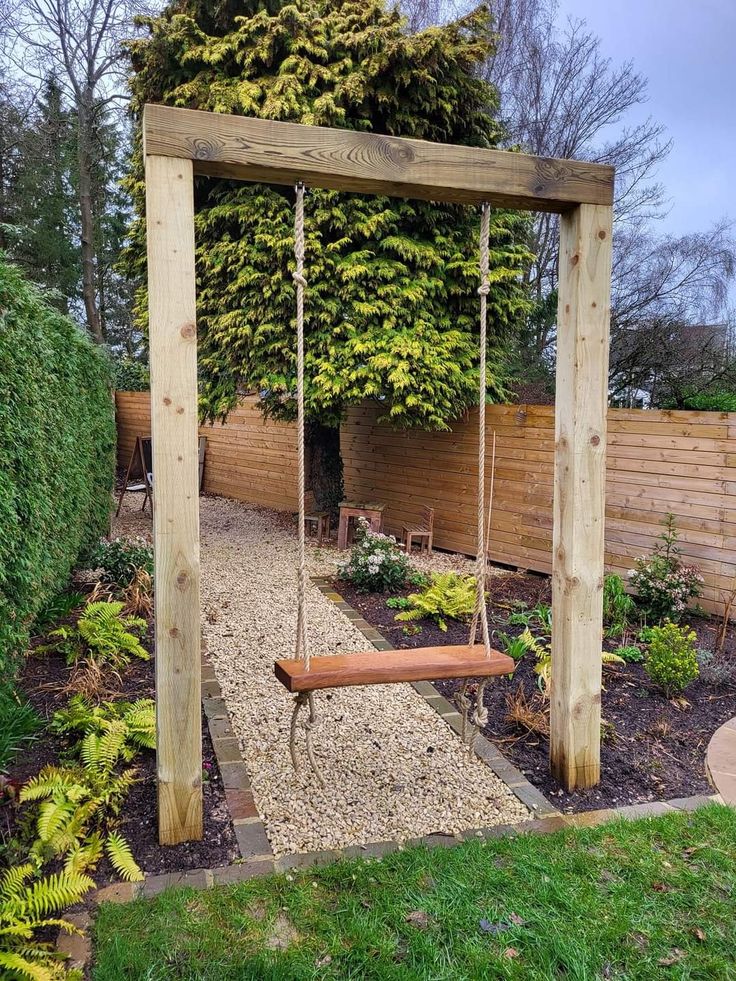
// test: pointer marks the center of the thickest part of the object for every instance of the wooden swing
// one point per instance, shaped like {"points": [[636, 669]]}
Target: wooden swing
{"points": [[303, 674]]}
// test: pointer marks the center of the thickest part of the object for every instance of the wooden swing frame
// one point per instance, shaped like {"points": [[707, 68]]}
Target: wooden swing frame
{"points": [[179, 144]]}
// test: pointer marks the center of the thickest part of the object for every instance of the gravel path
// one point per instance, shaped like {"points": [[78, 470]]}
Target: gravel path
{"points": [[393, 768]]}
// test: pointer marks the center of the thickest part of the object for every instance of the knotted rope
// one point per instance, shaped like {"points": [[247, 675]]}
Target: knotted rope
{"points": [[302, 641], [479, 711]]}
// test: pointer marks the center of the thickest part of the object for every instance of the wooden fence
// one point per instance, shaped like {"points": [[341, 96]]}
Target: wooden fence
{"points": [[683, 462]]}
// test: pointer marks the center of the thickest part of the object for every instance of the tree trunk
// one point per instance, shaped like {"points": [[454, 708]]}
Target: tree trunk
{"points": [[89, 278], [325, 466]]}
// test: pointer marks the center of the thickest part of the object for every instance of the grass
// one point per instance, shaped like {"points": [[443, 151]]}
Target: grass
{"points": [[19, 722], [629, 900]]}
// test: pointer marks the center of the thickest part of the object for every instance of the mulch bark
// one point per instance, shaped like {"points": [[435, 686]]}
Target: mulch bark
{"points": [[40, 675], [652, 748]]}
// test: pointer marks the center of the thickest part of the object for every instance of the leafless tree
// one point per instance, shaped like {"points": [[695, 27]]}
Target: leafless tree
{"points": [[670, 333], [79, 43]]}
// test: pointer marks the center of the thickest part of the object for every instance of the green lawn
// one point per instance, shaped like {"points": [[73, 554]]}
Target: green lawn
{"points": [[647, 899]]}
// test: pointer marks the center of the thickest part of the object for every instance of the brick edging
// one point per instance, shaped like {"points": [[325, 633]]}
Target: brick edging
{"points": [[250, 831]]}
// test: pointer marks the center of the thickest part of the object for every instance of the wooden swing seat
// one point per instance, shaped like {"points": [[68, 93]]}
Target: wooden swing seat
{"points": [[391, 667]]}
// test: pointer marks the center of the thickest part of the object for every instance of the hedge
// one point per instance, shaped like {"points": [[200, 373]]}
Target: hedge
{"points": [[57, 452]]}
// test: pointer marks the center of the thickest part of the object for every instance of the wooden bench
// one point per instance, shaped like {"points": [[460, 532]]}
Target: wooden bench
{"points": [[391, 667]]}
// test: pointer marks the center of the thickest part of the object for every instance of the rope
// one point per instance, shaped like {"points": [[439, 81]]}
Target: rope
{"points": [[302, 646], [479, 613], [477, 713]]}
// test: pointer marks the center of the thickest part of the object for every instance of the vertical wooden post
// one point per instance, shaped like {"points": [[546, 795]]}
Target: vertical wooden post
{"points": [[579, 493], [173, 357]]}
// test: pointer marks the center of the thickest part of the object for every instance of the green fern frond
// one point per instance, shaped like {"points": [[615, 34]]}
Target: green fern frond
{"points": [[13, 880], [21, 967], [121, 858], [86, 856]]}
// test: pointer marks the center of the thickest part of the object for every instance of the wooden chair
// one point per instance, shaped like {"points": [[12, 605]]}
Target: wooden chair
{"points": [[320, 521], [423, 531], [141, 461]]}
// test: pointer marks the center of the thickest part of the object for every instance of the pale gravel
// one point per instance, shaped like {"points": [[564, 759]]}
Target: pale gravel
{"points": [[393, 768]]}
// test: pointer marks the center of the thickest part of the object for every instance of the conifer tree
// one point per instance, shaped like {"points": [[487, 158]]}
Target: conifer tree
{"points": [[391, 307]]}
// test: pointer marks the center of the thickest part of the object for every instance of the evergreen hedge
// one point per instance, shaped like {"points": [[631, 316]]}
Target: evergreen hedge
{"points": [[57, 452]]}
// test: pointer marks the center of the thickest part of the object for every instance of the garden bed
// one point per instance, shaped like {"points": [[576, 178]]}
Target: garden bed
{"points": [[42, 674], [653, 748]]}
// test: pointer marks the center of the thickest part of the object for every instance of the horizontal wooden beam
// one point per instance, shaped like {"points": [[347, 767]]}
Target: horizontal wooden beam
{"points": [[250, 149]]}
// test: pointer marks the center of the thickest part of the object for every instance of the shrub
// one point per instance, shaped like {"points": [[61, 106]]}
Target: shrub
{"points": [[130, 375], [618, 606], [672, 661], [121, 560], [662, 582], [717, 668], [103, 635], [56, 455], [376, 563], [447, 596]]}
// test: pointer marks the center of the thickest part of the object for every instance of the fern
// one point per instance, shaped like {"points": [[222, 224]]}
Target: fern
{"points": [[121, 858], [136, 719], [26, 907], [102, 634], [77, 804], [448, 596]]}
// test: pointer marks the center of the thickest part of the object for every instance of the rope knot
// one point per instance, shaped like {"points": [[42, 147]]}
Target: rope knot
{"points": [[299, 279], [484, 289]]}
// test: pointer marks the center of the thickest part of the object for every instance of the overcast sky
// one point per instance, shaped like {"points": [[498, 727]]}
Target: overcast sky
{"points": [[687, 50]]}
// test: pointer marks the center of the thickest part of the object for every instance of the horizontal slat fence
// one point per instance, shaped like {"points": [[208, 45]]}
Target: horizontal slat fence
{"points": [[679, 461], [248, 458]]}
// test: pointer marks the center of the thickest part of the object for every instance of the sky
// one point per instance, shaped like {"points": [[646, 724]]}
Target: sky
{"points": [[687, 50]]}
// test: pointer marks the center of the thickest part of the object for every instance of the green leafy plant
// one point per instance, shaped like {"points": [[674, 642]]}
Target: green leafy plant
{"points": [[618, 606], [398, 603], [78, 805], [672, 661], [663, 583], [27, 906], [448, 596], [121, 559], [102, 634], [138, 719], [540, 615], [517, 647], [631, 653], [376, 562], [19, 723]]}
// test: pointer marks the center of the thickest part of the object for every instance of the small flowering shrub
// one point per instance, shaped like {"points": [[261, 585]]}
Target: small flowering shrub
{"points": [[376, 562], [121, 559], [672, 660], [662, 582]]}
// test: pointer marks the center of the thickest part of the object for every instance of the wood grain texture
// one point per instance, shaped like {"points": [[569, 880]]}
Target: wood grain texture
{"points": [[281, 153], [579, 495], [173, 358], [390, 667], [416, 469]]}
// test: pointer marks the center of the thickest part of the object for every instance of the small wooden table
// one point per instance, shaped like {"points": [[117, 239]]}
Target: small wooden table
{"points": [[371, 511]]}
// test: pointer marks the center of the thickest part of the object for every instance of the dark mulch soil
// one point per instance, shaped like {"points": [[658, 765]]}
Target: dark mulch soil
{"points": [[138, 822], [653, 749]]}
